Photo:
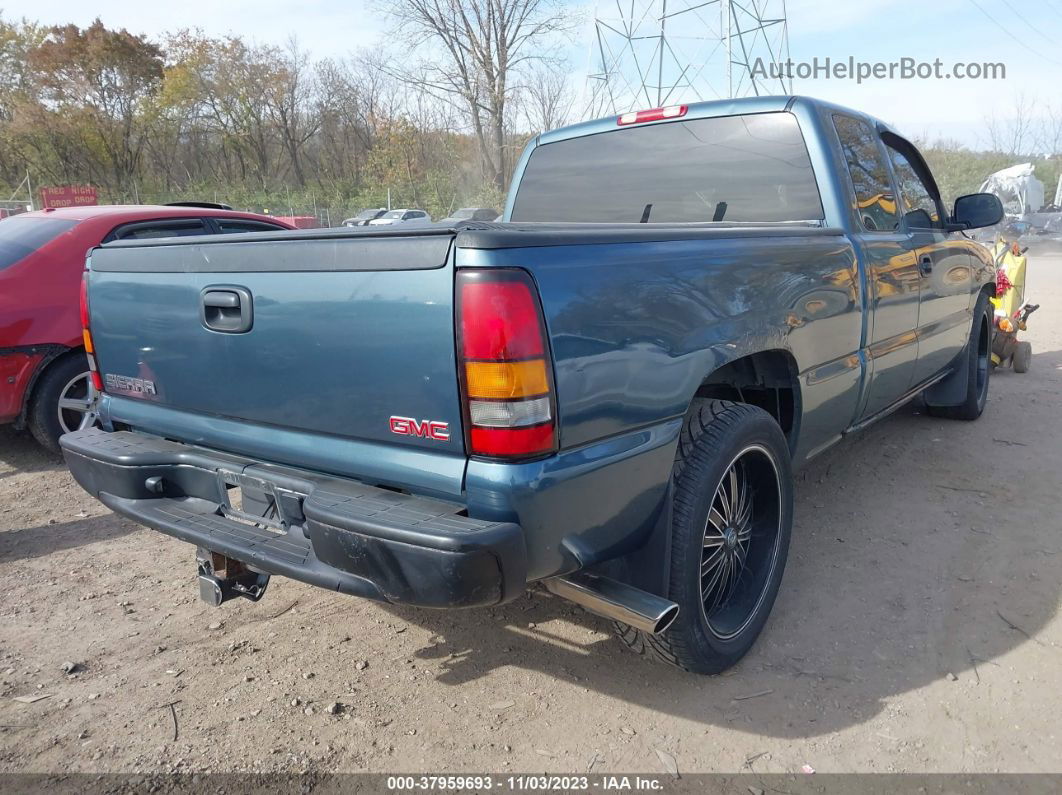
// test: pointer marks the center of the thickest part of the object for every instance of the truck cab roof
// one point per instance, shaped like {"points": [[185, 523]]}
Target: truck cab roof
{"points": [[711, 109]]}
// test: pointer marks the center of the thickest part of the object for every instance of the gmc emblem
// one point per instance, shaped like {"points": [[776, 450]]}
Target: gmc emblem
{"points": [[423, 429]]}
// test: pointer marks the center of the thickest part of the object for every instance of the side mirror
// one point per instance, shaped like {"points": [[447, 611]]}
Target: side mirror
{"points": [[976, 210]]}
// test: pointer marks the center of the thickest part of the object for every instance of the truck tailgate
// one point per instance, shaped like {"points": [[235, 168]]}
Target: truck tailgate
{"points": [[332, 333]]}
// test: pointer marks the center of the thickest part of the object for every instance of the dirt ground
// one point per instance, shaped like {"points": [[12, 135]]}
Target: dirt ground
{"points": [[917, 630]]}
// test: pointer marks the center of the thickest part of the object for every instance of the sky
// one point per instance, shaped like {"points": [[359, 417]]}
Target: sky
{"points": [[1023, 34]]}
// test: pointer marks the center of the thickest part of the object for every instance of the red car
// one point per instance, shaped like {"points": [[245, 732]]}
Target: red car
{"points": [[44, 379]]}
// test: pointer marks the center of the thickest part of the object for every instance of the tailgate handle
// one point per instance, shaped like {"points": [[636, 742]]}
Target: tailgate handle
{"points": [[226, 308]]}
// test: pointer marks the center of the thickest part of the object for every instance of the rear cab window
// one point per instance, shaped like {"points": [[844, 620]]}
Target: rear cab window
{"points": [[748, 168], [21, 236]]}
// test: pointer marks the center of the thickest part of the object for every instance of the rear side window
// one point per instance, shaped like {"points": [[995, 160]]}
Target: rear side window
{"points": [[229, 225], [20, 237], [752, 168], [869, 174], [151, 229]]}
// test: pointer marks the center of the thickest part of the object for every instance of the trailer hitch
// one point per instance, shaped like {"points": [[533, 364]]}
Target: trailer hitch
{"points": [[222, 578]]}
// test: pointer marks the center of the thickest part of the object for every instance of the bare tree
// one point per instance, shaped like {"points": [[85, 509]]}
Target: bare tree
{"points": [[1013, 134], [290, 101], [546, 97], [479, 46], [1050, 134]]}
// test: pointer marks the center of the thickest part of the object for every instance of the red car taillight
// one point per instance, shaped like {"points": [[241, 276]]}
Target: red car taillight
{"points": [[506, 377], [86, 335]]}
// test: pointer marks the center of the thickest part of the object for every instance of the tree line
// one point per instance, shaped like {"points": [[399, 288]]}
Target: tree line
{"points": [[265, 125]]}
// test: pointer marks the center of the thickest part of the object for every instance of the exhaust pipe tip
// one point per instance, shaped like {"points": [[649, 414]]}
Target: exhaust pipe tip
{"points": [[666, 619], [616, 600]]}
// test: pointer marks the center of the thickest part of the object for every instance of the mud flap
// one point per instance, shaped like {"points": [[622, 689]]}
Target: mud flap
{"points": [[951, 391]]}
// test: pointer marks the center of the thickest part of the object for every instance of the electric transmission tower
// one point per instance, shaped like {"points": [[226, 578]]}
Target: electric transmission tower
{"points": [[652, 53]]}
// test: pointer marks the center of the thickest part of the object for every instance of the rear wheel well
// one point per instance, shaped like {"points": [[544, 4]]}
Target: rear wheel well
{"points": [[768, 380], [53, 354]]}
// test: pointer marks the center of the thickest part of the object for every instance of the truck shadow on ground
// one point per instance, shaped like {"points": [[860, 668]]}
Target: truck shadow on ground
{"points": [[19, 452], [35, 542], [924, 550]]}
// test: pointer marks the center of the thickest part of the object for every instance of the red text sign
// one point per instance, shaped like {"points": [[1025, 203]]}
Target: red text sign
{"points": [[69, 196]]}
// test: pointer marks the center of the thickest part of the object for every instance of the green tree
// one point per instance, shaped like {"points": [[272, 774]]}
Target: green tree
{"points": [[88, 91]]}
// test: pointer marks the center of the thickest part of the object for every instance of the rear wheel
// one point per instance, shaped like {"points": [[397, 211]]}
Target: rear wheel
{"points": [[1022, 357], [978, 356], [732, 517], [63, 401]]}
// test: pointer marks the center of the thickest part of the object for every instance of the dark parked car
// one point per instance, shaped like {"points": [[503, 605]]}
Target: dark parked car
{"points": [[363, 218], [45, 383], [611, 406]]}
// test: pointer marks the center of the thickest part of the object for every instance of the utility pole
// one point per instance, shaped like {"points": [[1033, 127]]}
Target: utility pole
{"points": [[729, 49], [668, 52]]}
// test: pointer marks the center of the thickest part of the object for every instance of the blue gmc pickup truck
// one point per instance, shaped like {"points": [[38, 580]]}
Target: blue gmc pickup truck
{"points": [[606, 394]]}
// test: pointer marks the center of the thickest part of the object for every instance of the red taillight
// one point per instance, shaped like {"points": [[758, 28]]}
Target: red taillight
{"points": [[499, 321], [503, 357], [86, 336], [512, 441], [654, 114]]}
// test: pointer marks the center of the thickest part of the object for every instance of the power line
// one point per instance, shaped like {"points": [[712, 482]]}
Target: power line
{"points": [[1038, 32], [999, 25], [1051, 4]]}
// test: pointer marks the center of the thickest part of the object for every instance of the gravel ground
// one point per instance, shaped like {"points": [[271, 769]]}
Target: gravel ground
{"points": [[917, 630]]}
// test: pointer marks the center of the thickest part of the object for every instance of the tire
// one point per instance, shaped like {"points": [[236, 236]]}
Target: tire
{"points": [[978, 355], [61, 380], [738, 449], [1022, 357]]}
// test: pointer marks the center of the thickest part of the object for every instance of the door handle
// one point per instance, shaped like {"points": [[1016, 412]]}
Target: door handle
{"points": [[221, 299], [226, 308], [925, 265]]}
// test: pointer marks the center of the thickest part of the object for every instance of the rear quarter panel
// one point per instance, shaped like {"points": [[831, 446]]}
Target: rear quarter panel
{"points": [[636, 328]]}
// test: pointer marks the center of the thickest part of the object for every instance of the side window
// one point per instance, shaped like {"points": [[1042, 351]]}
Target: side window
{"points": [[869, 174], [920, 209], [152, 229], [230, 225]]}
